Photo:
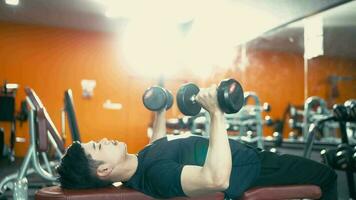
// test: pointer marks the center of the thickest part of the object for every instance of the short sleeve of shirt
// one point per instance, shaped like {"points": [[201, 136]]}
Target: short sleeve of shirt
{"points": [[163, 178]]}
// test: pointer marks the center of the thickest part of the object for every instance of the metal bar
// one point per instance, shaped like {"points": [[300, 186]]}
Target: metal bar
{"points": [[53, 142], [46, 163]]}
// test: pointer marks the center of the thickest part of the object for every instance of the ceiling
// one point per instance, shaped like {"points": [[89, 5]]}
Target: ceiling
{"points": [[339, 27], [90, 14]]}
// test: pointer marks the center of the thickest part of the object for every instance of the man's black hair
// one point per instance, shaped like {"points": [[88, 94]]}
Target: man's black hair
{"points": [[78, 170]]}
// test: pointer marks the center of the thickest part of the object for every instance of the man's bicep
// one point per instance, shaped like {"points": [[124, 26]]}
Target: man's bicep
{"points": [[194, 181]]}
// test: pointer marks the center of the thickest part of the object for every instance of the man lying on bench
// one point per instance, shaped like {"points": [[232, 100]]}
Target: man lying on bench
{"points": [[190, 166]]}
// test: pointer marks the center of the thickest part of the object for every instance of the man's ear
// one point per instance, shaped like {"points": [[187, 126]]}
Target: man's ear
{"points": [[104, 170]]}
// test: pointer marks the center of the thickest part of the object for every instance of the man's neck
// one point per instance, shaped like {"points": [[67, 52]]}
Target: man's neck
{"points": [[127, 170]]}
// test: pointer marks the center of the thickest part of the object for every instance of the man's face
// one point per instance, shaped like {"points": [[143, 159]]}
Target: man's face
{"points": [[109, 151]]}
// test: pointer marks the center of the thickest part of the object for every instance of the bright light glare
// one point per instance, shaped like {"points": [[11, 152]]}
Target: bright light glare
{"points": [[123, 8], [12, 2], [151, 48], [212, 41], [153, 45]]}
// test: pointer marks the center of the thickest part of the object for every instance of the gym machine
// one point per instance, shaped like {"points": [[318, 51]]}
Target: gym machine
{"points": [[249, 120], [315, 109], [42, 133], [8, 114], [69, 111], [344, 156]]}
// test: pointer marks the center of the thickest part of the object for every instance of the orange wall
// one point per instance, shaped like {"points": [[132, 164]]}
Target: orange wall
{"points": [[321, 68], [51, 60]]}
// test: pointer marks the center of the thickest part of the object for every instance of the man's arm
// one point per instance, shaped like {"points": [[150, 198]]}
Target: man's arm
{"points": [[214, 175], [159, 125]]}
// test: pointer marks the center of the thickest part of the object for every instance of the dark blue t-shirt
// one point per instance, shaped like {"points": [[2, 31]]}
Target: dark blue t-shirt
{"points": [[160, 166]]}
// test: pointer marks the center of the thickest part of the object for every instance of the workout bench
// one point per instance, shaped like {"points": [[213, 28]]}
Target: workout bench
{"points": [[122, 192]]}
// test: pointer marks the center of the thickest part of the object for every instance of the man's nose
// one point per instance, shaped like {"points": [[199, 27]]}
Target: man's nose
{"points": [[104, 140]]}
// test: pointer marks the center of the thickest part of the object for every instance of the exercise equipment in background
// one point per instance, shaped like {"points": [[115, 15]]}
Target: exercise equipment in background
{"points": [[42, 134], [341, 158], [249, 122], [8, 114], [69, 111], [314, 109]]}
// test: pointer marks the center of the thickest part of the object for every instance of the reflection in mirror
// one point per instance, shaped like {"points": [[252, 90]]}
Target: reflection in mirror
{"points": [[310, 65], [331, 76], [271, 66]]}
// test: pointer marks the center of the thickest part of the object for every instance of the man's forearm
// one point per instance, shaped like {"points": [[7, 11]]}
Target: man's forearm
{"points": [[159, 126], [218, 161]]}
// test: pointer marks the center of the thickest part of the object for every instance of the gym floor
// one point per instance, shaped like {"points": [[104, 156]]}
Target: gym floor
{"points": [[37, 182]]}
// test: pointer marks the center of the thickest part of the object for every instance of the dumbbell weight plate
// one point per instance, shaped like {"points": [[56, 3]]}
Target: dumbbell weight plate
{"points": [[278, 139], [351, 107], [154, 98], [328, 157], [343, 156], [230, 96], [342, 160], [169, 99], [184, 99]]}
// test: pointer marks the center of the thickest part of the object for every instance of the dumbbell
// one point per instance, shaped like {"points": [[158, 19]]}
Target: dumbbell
{"points": [[328, 157], [351, 108], [157, 98], [278, 139], [268, 121], [343, 157], [229, 94]]}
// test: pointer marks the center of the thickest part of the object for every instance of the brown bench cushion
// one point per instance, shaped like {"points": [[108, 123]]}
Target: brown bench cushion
{"points": [[117, 193], [283, 192], [122, 192]]}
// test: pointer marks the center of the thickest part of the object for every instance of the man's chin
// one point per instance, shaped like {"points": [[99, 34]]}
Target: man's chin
{"points": [[123, 147]]}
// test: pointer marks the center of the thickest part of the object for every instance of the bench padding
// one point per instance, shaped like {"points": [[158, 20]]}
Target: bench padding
{"points": [[110, 193], [283, 192], [122, 192]]}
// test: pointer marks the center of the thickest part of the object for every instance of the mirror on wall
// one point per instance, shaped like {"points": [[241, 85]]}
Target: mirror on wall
{"points": [[310, 65], [332, 74], [271, 68], [330, 65]]}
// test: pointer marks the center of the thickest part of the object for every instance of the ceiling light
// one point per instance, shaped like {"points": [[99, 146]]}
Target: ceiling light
{"points": [[12, 2]]}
